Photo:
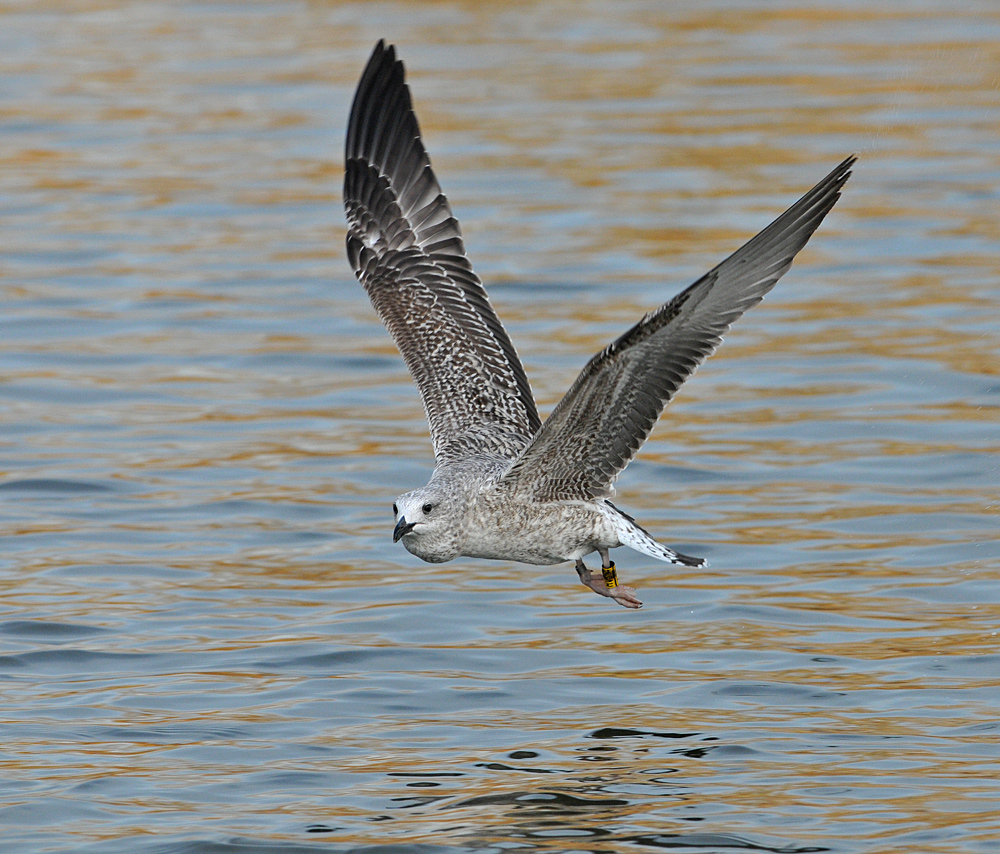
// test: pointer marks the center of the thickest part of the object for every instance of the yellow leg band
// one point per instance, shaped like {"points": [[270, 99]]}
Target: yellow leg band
{"points": [[610, 576]]}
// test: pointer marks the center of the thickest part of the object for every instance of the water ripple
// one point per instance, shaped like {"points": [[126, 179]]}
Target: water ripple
{"points": [[208, 642]]}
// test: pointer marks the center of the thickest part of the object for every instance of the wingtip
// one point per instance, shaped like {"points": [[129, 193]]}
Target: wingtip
{"points": [[382, 54], [388, 50], [845, 169], [838, 177], [382, 73]]}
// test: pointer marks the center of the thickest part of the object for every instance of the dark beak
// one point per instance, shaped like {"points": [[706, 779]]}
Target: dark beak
{"points": [[402, 529]]}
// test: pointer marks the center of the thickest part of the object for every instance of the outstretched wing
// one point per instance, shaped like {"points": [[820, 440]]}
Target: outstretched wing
{"points": [[599, 426], [406, 249]]}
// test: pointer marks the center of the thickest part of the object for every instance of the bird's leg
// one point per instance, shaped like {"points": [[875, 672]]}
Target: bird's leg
{"points": [[624, 596], [608, 585], [588, 578]]}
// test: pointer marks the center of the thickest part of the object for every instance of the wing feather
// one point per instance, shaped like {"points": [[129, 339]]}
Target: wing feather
{"points": [[602, 421], [406, 248]]}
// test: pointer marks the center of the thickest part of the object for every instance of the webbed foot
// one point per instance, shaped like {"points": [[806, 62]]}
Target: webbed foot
{"points": [[606, 584]]}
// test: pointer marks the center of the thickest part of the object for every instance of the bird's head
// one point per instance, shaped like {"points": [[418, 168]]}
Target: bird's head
{"points": [[426, 523]]}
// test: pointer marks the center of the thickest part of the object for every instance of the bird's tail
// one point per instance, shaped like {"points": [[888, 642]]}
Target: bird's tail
{"points": [[635, 537]]}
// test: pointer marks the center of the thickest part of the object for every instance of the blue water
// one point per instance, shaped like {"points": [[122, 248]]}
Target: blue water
{"points": [[208, 642]]}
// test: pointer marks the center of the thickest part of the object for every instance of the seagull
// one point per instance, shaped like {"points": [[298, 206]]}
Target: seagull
{"points": [[507, 486]]}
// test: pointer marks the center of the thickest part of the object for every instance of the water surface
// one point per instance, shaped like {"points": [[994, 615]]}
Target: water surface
{"points": [[208, 641]]}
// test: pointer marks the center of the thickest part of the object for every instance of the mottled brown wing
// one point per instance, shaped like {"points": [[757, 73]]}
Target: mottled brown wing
{"points": [[606, 416], [406, 249]]}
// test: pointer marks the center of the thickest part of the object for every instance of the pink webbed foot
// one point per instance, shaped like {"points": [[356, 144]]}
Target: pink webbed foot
{"points": [[624, 596]]}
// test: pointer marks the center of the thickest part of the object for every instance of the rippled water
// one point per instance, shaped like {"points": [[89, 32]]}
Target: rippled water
{"points": [[209, 642]]}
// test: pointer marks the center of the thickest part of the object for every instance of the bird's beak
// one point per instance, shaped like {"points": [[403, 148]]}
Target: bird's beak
{"points": [[402, 529]]}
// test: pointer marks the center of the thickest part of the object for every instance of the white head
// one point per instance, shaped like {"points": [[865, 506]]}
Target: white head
{"points": [[428, 523]]}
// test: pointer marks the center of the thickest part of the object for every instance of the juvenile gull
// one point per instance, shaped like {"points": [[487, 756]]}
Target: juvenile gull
{"points": [[506, 486]]}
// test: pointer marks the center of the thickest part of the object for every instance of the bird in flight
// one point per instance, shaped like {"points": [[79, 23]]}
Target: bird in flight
{"points": [[507, 486]]}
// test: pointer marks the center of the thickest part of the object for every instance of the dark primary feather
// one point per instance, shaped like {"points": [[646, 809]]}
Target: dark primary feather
{"points": [[406, 249], [603, 420]]}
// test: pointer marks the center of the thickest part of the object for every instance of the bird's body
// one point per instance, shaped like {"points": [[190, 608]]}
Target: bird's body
{"points": [[540, 534], [506, 486], [483, 523]]}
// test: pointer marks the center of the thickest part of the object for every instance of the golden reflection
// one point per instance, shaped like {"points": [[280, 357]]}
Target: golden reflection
{"points": [[206, 629]]}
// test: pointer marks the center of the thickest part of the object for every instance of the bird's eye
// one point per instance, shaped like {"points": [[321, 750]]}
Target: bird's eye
{"points": [[395, 510], [428, 507]]}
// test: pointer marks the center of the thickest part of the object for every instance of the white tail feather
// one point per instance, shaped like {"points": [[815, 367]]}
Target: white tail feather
{"points": [[635, 537]]}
